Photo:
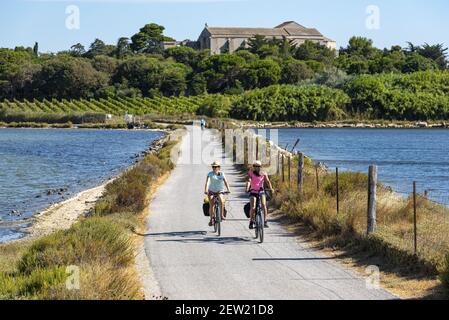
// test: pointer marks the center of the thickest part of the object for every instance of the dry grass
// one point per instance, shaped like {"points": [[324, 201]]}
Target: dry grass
{"points": [[393, 241]]}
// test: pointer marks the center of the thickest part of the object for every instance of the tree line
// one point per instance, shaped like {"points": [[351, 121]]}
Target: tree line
{"points": [[139, 66], [422, 95]]}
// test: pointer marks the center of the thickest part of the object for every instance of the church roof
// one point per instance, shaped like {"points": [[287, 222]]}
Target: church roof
{"points": [[288, 28]]}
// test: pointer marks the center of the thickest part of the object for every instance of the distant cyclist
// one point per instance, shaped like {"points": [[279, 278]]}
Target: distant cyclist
{"points": [[254, 185], [203, 123], [215, 184]]}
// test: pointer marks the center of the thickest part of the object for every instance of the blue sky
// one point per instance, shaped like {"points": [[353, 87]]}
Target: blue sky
{"points": [[22, 22]]}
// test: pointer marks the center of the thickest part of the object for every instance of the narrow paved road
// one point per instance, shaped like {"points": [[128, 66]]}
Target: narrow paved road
{"points": [[190, 262]]}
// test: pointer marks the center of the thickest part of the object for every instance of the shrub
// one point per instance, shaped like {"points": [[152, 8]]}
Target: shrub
{"points": [[216, 106], [416, 96], [288, 102]]}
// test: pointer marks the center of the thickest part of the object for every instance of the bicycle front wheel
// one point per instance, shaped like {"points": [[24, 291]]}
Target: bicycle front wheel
{"points": [[261, 231], [218, 221], [257, 225]]}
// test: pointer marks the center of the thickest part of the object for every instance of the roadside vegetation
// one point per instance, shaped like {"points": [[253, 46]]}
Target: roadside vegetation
{"points": [[101, 245], [392, 242], [391, 246]]}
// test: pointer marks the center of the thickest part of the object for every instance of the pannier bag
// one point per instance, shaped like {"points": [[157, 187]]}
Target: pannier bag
{"points": [[247, 209], [206, 209]]}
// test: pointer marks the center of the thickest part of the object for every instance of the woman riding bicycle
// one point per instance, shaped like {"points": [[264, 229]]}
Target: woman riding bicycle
{"points": [[215, 185], [255, 185]]}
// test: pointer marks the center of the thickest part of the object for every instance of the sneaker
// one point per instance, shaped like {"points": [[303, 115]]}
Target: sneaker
{"points": [[251, 225], [265, 225]]}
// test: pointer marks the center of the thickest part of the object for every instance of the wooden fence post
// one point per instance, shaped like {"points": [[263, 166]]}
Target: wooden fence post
{"points": [[278, 163], [234, 149], [372, 198], [223, 137], [245, 151], [317, 179], [415, 238], [257, 148], [282, 168], [337, 190], [300, 174], [289, 170]]}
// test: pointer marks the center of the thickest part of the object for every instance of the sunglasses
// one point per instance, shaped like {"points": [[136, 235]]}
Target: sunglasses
{"points": [[214, 167]]}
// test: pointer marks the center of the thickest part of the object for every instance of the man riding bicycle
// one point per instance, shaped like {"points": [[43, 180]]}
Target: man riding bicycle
{"points": [[203, 123], [215, 184], [255, 185]]}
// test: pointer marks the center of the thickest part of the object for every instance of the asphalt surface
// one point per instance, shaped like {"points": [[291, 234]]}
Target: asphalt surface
{"points": [[190, 261]]}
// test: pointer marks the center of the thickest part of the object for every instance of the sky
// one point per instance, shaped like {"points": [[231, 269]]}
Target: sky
{"points": [[54, 24]]}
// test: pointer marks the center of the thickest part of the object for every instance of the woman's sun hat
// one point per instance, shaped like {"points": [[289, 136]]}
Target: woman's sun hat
{"points": [[216, 164], [257, 164]]}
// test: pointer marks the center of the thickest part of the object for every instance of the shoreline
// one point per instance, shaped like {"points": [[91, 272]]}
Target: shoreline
{"points": [[345, 125], [63, 214]]}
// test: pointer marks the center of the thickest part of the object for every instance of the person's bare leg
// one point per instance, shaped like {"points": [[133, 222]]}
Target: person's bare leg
{"points": [[265, 209], [253, 208], [211, 208], [222, 203]]}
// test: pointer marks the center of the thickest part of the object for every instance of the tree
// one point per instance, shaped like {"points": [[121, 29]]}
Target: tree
{"points": [[98, 47], [266, 72], [197, 84], [185, 55], [13, 64], [149, 38], [310, 50], [222, 72], [437, 53], [77, 50], [69, 78], [256, 43], [123, 47], [361, 47], [295, 71], [36, 49], [105, 64], [152, 76], [415, 62], [173, 79]]}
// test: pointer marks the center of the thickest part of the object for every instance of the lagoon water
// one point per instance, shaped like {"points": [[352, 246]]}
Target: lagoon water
{"points": [[41, 166], [402, 155]]}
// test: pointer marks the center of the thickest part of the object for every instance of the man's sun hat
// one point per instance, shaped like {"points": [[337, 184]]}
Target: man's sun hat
{"points": [[216, 164], [257, 164]]}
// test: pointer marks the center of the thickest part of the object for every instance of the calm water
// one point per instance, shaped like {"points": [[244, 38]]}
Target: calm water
{"points": [[38, 167], [402, 155]]}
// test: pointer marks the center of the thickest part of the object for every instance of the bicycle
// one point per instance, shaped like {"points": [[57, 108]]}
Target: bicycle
{"points": [[259, 223], [217, 212]]}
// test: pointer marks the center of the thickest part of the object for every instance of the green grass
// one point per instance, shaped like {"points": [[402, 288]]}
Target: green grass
{"points": [[101, 245]]}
